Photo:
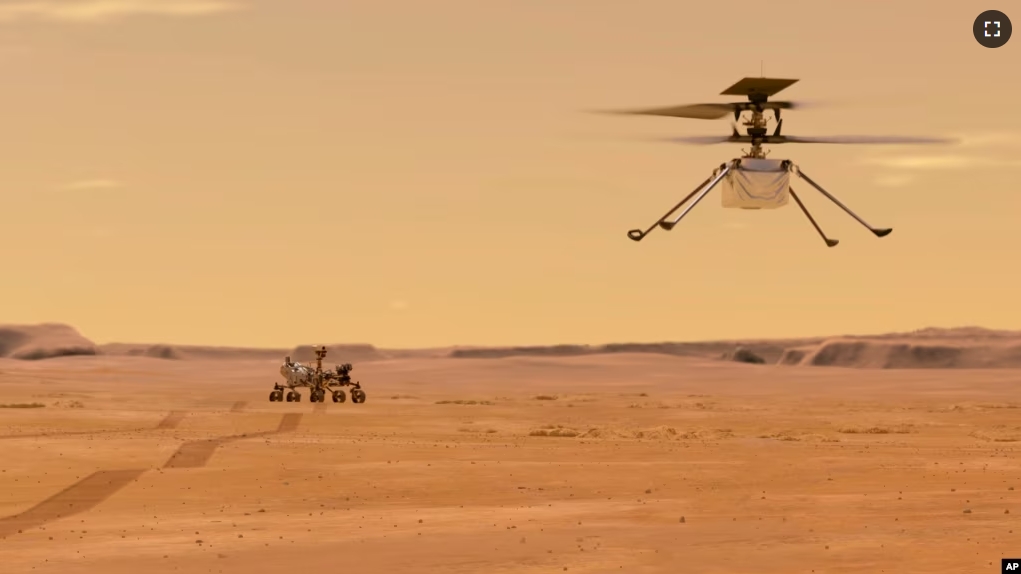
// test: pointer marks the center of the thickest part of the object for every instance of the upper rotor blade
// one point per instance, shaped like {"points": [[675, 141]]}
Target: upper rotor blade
{"points": [[863, 140], [694, 111], [701, 140], [706, 111]]}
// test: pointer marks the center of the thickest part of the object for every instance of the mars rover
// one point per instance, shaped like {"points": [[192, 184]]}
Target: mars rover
{"points": [[318, 381]]}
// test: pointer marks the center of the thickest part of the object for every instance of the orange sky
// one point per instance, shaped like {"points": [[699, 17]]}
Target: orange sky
{"points": [[423, 173]]}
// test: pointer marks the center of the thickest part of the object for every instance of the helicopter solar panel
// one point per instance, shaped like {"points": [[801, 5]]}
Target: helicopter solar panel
{"points": [[766, 86]]}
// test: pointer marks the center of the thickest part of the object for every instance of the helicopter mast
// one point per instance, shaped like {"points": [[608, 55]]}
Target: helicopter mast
{"points": [[756, 124], [756, 127]]}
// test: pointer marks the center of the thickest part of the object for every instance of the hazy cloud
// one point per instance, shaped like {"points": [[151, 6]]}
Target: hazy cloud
{"points": [[978, 150], [941, 162], [99, 11], [989, 139], [91, 185], [894, 180]]}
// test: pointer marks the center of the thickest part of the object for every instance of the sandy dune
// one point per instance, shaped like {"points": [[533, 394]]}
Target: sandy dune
{"points": [[624, 462]]}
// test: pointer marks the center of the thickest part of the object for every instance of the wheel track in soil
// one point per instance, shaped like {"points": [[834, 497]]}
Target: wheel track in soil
{"points": [[171, 421], [92, 490], [80, 497], [196, 453]]}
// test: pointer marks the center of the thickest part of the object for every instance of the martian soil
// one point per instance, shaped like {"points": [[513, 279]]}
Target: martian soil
{"points": [[129, 459]]}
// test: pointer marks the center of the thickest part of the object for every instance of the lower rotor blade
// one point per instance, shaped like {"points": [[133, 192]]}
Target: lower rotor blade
{"points": [[700, 140], [863, 140]]}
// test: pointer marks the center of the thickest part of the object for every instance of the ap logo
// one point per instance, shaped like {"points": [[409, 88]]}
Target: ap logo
{"points": [[1012, 565]]}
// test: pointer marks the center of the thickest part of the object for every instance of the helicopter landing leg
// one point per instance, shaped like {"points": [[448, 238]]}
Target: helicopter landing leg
{"points": [[829, 242], [718, 175], [876, 232], [668, 225], [638, 234]]}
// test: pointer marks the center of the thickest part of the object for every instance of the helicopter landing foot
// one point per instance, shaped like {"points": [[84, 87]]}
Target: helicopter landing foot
{"points": [[847, 210], [829, 242], [718, 176], [638, 234]]}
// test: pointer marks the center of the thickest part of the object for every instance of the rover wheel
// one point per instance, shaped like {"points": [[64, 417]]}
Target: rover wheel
{"points": [[339, 396], [297, 397], [290, 397], [317, 397], [358, 396]]}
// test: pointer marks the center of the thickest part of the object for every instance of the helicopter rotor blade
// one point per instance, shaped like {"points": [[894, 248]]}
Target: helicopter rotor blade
{"points": [[702, 140], [781, 139], [863, 140], [692, 111], [707, 111]]}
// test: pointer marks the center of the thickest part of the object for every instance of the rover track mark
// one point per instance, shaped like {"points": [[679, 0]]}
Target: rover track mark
{"points": [[289, 422], [79, 497], [196, 453], [172, 420]]}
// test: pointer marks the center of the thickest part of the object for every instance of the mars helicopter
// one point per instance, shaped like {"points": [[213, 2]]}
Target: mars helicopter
{"points": [[752, 180], [297, 375]]}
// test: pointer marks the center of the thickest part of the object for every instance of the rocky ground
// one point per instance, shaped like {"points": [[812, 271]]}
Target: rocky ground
{"points": [[597, 463]]}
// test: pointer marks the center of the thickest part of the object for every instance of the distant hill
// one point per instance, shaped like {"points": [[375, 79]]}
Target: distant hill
{"points": [[961, 348], [46, 341]]}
